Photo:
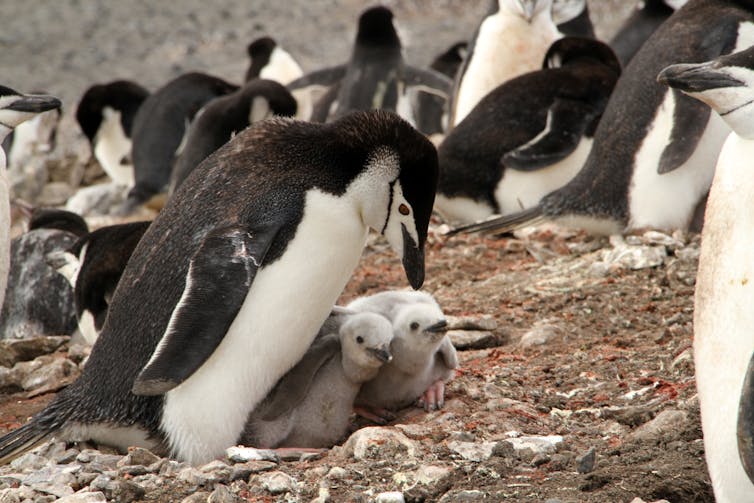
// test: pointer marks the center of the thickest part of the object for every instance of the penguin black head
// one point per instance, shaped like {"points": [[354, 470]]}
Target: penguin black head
{"points": [[449, 61], [15, 107], [260, 52], [121, 95], [51, 218], [569, 49], [376, 28], [726, 84], [267, 97]]}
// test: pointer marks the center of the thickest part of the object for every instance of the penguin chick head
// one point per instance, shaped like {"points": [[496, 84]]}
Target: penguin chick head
{"points": [[365, 339], [16, 108], [421, 325], [527, 9], [726, 84]]}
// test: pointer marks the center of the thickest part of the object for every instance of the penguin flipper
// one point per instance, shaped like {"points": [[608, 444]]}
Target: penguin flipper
{"points": [[20, 440], [448, 353], [503, 223], [325, 77], [293, 387], [745, 423], [219, 277], [690, 118], [428, 81], [567, 120]]}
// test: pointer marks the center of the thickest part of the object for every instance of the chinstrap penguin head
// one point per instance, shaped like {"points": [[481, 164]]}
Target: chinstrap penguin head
{"points": [[726, 84], [365, 339], [16, 108], [421, 324], [527, 9], [376, 28]]}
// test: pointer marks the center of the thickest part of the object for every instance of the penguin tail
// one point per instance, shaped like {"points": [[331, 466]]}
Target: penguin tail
{"points": [[22, 439], [504, 223]]}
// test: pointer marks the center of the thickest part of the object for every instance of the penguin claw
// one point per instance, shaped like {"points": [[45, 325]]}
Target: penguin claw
{"points": [[433, 398]]}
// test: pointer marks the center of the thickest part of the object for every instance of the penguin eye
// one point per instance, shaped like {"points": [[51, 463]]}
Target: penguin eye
{"points": [[414, 325], [359, 339], [403, 209]]}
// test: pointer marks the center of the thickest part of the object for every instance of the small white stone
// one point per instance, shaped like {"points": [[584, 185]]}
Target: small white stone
{"points": [[277, 482], [390, 497], [538, 444], [472, 451], [241, 454]]}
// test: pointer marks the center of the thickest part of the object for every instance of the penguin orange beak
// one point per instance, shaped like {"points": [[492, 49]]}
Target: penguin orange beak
{"points": [[413, 260], [697, 78], [34, 104]]}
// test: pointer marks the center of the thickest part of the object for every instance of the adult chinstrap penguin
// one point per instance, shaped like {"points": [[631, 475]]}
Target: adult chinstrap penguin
{"points": [[723, 317], [231, 282], [527, 137], [639, 26], [571, 17], [654, 151], [431, 110]]}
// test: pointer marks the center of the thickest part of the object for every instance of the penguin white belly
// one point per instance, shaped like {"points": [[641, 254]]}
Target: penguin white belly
{"points": [[506, 46], [112, 146], [287, 303], [284, 69], [723, 316], [518, 190], [667, 201], [4, 228], [461, 210]]}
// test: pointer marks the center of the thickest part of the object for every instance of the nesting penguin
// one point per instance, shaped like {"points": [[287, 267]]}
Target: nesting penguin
{"points": [[106, 115], [160, 127], [311, 405], [376, 76], [226, 116], [654, 150], [431, 114], [223, 295], [512, 39], [527, 137], [15, 108], [635, 30], [723, 317]]}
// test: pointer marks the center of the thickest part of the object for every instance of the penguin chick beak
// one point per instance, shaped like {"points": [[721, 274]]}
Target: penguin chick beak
{"points": [[413, 260], [34, 104], [438, 328], [697, 78], [382, 354]]}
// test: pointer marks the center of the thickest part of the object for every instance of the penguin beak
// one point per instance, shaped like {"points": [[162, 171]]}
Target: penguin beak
{"points": [[438, 328], [382, 354], [697, 78], [413, 260], [34, 104]]}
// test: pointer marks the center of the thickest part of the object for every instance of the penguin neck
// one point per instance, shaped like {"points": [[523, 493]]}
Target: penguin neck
{"points": [[740, 120], [408, 353], [357, 372], [4, 131]]}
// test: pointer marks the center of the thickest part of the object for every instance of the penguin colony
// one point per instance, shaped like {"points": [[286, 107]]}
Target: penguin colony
{"points": [[262, 212]]}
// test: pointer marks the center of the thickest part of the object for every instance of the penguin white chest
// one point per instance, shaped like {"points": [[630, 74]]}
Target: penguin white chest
{"points": [[4, 227], [288, 301], [723, 317], [112, 147]]}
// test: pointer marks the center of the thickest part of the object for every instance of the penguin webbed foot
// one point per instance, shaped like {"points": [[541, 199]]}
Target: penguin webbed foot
{"points": [[433, 398], [375, 414]]}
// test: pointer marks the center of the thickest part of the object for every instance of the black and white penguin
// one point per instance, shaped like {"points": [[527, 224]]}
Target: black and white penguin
{"points": [[431, 110], [654, 150], [511, 40], [15, 108], [160, 128], [201, 325], [649, 14], [93, 265], [527, 137], [572, 18], [723, 315], [376, 76], [226, 116], [36, 135], [106, 115]]}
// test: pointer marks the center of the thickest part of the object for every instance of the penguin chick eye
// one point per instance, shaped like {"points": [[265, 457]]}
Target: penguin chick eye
{"points": [[414, 325], [359, 339], [403, 209]]}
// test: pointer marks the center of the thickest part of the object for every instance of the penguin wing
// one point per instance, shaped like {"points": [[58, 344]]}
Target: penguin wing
{"points": [[219, 277], [745, 422], [428, 81], [325, 77], [690, 118], [293, 387], [567, 120], [448, 353]]}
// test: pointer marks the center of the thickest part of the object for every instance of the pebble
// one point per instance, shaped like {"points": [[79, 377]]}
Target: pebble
{"points": [[222, 494], [87, 497], [585, 462], [138, 456], [97, 199], [625, 255], [484, 322], [463, 497], [472, 451], [277, 482], [337, 473], [390, 497], [379, 443], [537, 444], [464, 340], [541, 333], [240, 454], [13, 351], [667, 425]]}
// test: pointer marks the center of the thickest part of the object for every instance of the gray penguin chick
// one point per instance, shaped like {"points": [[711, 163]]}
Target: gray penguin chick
{"points": [[423, 357], [310, 406]]}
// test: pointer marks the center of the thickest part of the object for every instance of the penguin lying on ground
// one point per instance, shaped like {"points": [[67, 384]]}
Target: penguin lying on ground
{"points": [[723, 315], [160, 128], [15, 108], [106, 115], [93, 266], [376, 76], [310, 406], [654, 151], [226, 116], [38, 300], [635, 30], [527, 137], [276, 217], [511, 40], [423, 356]]}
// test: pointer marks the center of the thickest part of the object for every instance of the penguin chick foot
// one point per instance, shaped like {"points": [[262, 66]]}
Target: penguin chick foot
{"points": [[433, 398], [376, 415]]}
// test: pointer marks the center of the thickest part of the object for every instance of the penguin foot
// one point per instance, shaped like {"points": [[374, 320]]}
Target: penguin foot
{"points": [[376, 415], [433, 398]]}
